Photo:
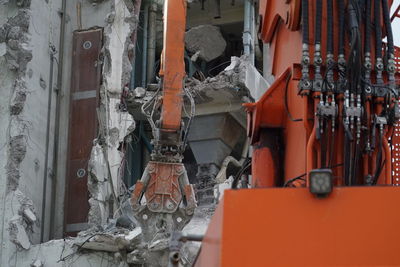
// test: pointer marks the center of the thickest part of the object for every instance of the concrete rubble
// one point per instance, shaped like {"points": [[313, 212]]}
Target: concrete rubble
{"points": [[233, 81], [241, 78], [205, 42]]}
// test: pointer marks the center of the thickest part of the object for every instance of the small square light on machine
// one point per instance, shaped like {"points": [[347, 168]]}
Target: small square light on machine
{"points": [[321, 182]]}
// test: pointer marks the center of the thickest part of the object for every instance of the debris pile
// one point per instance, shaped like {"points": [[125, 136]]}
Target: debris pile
{"points": [[232, 79]]}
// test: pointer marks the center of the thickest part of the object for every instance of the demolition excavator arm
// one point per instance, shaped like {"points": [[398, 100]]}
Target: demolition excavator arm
{"points": [[164, 182]]}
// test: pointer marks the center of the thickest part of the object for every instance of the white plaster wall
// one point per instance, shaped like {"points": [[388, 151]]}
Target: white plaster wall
{"points": [[31, 122], [119, 32], [44, 30], [6, 79]]}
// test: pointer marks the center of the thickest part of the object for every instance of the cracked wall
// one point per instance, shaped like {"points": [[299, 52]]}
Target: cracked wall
{"points": [[26, 30], [115, 122]]}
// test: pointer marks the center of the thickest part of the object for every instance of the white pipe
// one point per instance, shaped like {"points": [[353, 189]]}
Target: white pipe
{"points": [[144, 49], [221, 176], [151, 43], [248, 30]]}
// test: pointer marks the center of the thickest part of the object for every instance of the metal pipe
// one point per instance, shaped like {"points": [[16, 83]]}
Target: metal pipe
{"points": [[46, 160], [144, 49], [137, 6], [191, 237], [310, 160], [305, 114], [57, 116], [311, 144], [247, 28], [221, 176], [151, 42]]}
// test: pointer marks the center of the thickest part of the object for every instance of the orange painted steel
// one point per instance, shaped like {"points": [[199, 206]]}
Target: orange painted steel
{"points": [[173, 66], [354, 226], [280, 28], [265, 160], [163, 192]]}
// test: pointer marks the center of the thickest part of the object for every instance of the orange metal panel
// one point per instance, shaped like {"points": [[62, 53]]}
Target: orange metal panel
{"points": [[267, 112], [267, 161], [355, 226], [211, 249]]}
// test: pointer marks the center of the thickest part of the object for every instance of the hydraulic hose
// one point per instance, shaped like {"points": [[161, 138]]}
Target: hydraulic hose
{"points": [[378, 32], [341, 26], [305, 83], [318, 22], [305, 23], [347, 159], [388, 26], [367, 47], [378, 161], [355, 164], [355, 51], [330, 27]]}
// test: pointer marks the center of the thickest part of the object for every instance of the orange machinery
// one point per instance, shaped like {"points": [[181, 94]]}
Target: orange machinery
{"points": [[325, 161], [165, 183]]}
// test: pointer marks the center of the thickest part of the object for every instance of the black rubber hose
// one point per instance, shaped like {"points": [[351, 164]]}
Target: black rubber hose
{"points": [[341, 26], [378, 32], [388, 26], [330, 27], [378, 160], [347, 160], [305, 23], [355, 166], [318, 22], [367, 47]]}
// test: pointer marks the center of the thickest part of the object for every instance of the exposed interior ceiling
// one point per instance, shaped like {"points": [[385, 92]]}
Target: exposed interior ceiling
{"points": [[207, 13]]}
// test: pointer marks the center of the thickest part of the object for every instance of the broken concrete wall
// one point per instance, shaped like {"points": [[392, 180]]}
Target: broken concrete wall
{"points": [[27, 31], [115, 121]]}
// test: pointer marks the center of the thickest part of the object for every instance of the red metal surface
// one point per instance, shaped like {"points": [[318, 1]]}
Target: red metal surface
{"points": [[395, 138], [354, 226], [396, 155], [85, 84], [163, 193]]}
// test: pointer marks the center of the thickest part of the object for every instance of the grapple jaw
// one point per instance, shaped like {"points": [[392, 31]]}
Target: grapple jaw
{"points": [[170, 199]]}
